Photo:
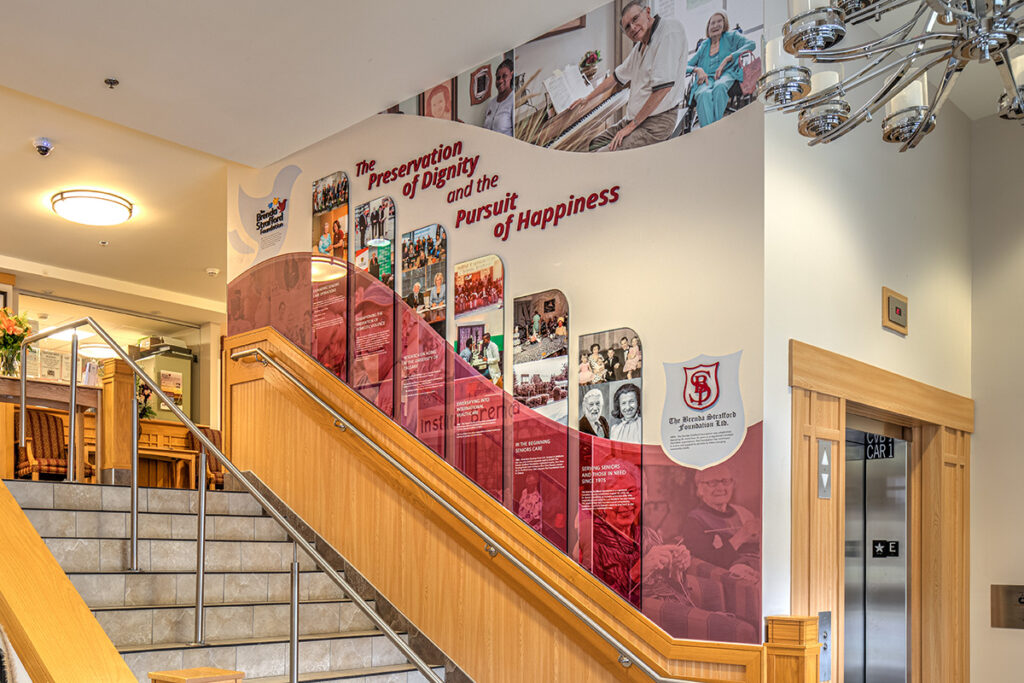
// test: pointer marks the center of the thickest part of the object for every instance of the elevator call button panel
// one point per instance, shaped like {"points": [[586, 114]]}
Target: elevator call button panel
{"points": [[1007, 606]]}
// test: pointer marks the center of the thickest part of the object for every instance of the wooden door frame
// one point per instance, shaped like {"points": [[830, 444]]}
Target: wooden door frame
{"points": [[825, 388]]}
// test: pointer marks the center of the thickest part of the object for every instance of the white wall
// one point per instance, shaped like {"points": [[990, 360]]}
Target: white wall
{"points": [[997, 554], [841, 221], [678, 258]]}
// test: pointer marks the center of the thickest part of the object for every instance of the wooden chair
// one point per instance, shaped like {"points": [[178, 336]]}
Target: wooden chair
{"points": [[214, 472], [45, 452]]}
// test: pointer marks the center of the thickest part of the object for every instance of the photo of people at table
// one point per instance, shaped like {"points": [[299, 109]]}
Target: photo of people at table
{"points": [[479, 284], [374, 238], [480, 315], [541, 326], [424, 263], [330, 216]]}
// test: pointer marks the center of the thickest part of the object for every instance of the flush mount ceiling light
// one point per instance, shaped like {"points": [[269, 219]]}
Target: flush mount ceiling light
{"points": [[91, 207], [96, 351]]}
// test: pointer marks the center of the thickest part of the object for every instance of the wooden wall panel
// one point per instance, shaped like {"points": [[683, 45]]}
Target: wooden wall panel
{"points": [[491, 619], [825, 387], [55, 635], [818, 568]]}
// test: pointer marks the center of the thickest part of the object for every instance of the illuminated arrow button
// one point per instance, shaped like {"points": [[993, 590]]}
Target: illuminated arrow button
{"points": [[824, 481]]}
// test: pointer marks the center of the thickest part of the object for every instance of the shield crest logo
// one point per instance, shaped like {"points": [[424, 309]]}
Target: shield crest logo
{"points": [[700, 388], [702, 423]]}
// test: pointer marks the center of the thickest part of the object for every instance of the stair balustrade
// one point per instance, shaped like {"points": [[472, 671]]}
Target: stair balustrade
{"points": [[207, 450]]}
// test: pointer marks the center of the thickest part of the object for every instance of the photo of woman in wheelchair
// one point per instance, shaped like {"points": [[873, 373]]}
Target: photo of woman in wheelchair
{"points": [[717, 69]]}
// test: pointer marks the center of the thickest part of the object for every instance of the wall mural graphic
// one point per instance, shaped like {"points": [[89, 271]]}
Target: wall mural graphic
{"points": [[555, 430], [620, 77]]}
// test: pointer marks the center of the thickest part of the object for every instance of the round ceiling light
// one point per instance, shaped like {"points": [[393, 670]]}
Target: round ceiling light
{"points": [[96, 351], [91, 207]]}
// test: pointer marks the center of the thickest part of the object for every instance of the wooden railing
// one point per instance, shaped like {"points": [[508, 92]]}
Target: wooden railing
{"points": [[53, 632], [493, 621]]}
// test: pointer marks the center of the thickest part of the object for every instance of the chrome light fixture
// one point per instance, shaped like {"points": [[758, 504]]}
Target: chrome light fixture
{"points": [[943, 34], [91, 207]]}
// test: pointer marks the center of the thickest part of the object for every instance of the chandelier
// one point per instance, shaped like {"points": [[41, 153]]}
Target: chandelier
{"points": [[940, 34]]}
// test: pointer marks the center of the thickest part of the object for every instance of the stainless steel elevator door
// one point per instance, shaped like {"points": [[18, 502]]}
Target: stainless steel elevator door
{"points": [[875, 625]]}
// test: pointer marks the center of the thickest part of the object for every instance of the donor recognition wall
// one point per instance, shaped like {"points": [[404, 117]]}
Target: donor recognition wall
{"points": [[580, 334]]}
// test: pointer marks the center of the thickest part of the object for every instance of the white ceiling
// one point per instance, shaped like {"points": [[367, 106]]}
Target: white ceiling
{"points": [[203, 85], [254, 80]]}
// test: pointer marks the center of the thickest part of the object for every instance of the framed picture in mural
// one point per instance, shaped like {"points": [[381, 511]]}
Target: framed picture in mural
{"points": [[440, 102], [480, 84]]}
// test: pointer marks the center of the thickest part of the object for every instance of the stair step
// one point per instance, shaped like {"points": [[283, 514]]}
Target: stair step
{"points": [[111, 554], [268, 656], [64, 496], [52, 523], [395, 673], [124, 588], [131, 626]]}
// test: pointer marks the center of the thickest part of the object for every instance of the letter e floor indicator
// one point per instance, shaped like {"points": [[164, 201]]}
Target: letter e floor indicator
{"points": [[824, 468]]}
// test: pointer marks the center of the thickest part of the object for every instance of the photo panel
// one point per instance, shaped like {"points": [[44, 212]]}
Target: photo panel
{"points": [[330, 216], [373, 239], [610, 389], [372, 347], [330, 314], [478, 397], [424, 254]]}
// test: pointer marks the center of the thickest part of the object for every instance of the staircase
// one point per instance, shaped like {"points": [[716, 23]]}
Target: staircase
{"points": [[150, 615]]}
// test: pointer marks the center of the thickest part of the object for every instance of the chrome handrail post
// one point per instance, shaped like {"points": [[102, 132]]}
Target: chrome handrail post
{"points": [[293, 633], [200, 545], [24, 387], [73, 407], [134, 509]]}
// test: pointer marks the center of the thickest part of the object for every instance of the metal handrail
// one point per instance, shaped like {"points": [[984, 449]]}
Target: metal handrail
{"points": [[209, 448], [627, 657]]}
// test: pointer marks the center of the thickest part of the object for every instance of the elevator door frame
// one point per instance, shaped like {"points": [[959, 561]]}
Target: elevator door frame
{"points": [[828, 391]]}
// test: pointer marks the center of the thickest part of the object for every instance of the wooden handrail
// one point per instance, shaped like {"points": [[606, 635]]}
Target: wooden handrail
{"points": [[341, 487], [52, 630]]}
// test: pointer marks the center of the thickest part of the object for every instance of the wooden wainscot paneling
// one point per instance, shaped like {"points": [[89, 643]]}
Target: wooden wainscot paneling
{"points": [[489, 617], [792, 649], [55, 635], [826, 387]]}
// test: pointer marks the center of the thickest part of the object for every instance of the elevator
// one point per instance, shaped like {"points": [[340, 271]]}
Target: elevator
{"points": [[876, 592]]}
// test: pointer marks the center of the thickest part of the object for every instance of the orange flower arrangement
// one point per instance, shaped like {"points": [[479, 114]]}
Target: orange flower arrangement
{"points": [[13, 330]]}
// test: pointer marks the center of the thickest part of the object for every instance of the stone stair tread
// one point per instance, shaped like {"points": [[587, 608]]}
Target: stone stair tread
{"points": [[232, 642], [339, 675], [208, 605]]}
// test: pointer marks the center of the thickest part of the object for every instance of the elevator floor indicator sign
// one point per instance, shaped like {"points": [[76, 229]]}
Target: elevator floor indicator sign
{"points": [[879, 447], [881, 548]]}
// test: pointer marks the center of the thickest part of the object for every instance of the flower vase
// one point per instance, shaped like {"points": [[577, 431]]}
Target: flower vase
{"points": [[589, 72], [9, 359]]}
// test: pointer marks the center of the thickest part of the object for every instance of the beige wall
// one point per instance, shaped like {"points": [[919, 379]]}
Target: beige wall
{"points": [[678, 258], [841, 221], [997, 554]]}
